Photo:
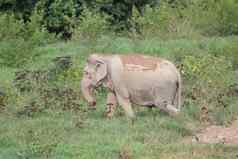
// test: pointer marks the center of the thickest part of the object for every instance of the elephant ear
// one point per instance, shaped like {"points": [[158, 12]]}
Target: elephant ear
{"points": [[101, 70]]}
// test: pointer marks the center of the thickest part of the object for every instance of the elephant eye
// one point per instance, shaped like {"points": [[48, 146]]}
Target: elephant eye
{"points": [[98, 64], [85, 72]]}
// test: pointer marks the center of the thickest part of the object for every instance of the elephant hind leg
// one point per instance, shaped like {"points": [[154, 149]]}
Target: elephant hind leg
{"points": [[172, 110], [167, 107]]}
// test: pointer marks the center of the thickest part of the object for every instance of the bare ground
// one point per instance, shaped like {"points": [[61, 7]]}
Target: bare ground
{"points": [[218, 134]]}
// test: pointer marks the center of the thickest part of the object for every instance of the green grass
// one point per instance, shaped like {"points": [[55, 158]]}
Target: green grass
{"points": [[56, 136], [70, 134]]}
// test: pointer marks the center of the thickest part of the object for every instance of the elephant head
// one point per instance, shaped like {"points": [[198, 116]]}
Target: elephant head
{"points": [[94, 72]]}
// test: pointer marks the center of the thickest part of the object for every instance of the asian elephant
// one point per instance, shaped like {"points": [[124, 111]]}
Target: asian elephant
{"points": [[135, 78]]}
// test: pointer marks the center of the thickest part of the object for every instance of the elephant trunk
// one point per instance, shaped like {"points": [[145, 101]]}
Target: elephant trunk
{"points": [[87, 91]]}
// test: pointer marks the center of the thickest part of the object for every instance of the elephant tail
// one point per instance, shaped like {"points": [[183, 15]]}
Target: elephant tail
{"points": [[177, 99]]}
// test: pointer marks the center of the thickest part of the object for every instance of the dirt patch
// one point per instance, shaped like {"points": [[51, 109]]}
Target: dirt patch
{"points": [[134, 62], [218, 134]]}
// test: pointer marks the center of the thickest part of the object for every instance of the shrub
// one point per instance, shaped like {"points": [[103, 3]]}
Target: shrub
{"points": [[228, 17], [213, 17], [153, 22], [10, 27], [91, 25], [16, 52], [35, 32], [228, 49], [231, 53], [59, 16], [207, 79], [20, 8], [55, 88], [19, 40], [164, 22]]}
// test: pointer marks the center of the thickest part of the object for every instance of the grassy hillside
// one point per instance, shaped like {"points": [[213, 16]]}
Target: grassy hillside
{"points": [[49, 119]]}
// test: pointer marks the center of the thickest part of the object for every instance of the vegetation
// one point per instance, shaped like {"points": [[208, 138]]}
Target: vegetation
{"points": [[42, 112]]}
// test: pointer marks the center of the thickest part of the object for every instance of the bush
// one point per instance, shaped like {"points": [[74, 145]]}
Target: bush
{"points": [[21, 9], [19, 40], [91, 25], [228, 17], [35, 32], [213, 17], [231, 53], [154, 21], [183, 19], [55, 88], [208, 79], [164, 22], [59, 16], [10, 27], [16, 52]]}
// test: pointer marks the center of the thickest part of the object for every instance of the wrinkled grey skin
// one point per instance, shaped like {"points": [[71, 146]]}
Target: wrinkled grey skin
{"points": [[132, 83]]}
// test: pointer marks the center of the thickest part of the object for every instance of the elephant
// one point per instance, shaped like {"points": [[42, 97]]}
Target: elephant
{"points": [[132, 79]]}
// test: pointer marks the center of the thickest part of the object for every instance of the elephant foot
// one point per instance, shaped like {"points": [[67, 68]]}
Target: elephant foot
{"points": [[172, 110], [168, 108], [110, 110], [92, 105], [150, 107], [133, 120]]}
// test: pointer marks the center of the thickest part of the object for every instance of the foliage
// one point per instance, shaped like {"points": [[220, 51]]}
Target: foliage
{"points": [[15, 52], [210, 84], [147, 17], [18, 39], [40, 90], [213, 17], [227, 13], [59, 16], [164, 22], [231, 52], [208, 80], [21, 9], [42, 112], [154, 21], [50, 118], [9, 27], [91, 25]]}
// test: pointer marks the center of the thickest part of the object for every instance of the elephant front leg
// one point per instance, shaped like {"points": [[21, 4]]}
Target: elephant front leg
{"points": [[111, 104], [126, 105]]}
